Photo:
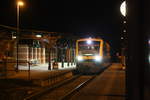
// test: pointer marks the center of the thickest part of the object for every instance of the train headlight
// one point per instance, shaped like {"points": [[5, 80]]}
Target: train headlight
{"points": [[89, 41], [79, 58], [98, 58]]}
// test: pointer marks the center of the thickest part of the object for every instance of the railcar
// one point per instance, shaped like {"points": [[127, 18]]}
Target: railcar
{"points": [[92, 55]]}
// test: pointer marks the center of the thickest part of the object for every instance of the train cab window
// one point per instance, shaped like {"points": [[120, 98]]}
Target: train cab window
{"points": [[89, 49], [84, 46]]}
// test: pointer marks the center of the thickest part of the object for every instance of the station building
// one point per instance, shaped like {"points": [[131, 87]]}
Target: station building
{"points": [[32, 49]]}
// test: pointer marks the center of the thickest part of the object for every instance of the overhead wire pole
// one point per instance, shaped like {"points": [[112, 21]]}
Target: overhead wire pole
{"points": [[19, 3], [17, 38]]}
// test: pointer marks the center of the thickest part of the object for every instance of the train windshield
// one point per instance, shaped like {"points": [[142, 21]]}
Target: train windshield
{"points": [[88, 49]]}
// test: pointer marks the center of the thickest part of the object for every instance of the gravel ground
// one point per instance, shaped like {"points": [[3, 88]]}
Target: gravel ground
{"points": [[15, 89]]}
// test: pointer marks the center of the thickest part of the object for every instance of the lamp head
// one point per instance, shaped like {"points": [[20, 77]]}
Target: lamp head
{"points": [[20, 3]]}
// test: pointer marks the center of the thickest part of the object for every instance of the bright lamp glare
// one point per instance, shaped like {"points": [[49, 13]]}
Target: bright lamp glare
{"points": [[20, 3], [79, 58], [98, 58], [123, 9], [88, 54], [13, 37], [38, 35], [89, 42]]}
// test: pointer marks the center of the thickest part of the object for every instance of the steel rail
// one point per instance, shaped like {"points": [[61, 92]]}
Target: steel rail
{"points": [[79, 87], [49, 89], [76, 89]]}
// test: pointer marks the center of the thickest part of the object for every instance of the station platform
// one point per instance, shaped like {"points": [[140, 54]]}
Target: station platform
{"points": [[40, 75], [59, 66], [110, 85]]}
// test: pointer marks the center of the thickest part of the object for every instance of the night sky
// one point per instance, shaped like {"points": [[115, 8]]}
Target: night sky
{"points": [[95, 17]]}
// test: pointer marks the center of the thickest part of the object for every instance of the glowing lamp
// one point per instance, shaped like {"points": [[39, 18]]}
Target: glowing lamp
{"points": [[89, 41], [38, 35], [79, 58], [98, 58], [13, 37], [123, 8], [20, 3]]}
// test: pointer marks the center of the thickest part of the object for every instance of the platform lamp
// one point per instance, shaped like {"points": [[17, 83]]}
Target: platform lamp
{"points": [[123, 10], [19, 4]]}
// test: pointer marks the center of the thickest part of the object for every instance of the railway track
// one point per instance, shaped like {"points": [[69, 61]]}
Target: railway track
{"points": [[64, 90]]}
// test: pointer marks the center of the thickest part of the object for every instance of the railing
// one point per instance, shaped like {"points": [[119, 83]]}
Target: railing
{"points": [[5, 68]]}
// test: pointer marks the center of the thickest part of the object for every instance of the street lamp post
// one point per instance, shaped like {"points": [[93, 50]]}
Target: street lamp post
{"points": [[19, 3], [123, 10]]}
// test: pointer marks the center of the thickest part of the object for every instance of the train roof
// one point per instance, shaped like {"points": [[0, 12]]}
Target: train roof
{"points": [[96, 39], [84, 39]]}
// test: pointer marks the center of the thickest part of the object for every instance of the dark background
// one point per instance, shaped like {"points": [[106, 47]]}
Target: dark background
{"points": [[86, 18]]}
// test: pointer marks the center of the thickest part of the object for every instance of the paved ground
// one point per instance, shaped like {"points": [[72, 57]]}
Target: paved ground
{"points": [[110, 85], [37, 72], [18, 85]]}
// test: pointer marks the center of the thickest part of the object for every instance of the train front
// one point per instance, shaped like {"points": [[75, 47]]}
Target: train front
{"points": [[89, 55]]}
